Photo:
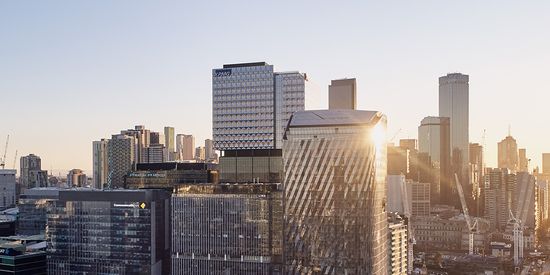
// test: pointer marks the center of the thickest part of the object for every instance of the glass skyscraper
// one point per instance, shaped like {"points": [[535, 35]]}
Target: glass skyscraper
{"points": [[109, 232], [454, 104], [227, 229], [335, 171]]}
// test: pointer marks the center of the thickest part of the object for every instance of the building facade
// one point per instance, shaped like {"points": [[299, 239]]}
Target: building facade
{"points": [[252, 105], [242, 166], [77, 178], [434, 140], [419, 198], [31, 173], [185, 146], [508, 154], [34, 205], [399, 245], [335, 170], [121, 155], [109, 232], [342, 94], [100, 163], [232, 229], [454, 104], [170, 142], [8, 185]]}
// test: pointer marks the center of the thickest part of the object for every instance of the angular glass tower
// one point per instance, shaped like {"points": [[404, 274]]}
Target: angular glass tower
{"points": [[335, 170]]}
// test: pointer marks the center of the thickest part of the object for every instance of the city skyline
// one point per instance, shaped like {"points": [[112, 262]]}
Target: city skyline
{"points": [[68, 89]]}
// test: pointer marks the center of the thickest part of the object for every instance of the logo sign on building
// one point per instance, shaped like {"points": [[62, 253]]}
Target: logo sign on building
{"points": [[222, 72]]}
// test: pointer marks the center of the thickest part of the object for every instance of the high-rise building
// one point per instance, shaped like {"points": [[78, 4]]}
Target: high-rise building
{"points": [[342, 94], [170, 143], [209, 153], [477, 168], [100, 163], [498, 191], [419, 198], [155, 138], [523, 161], [8, 187], [542, 205], [142, 140], [398, 195], [121, 156], [233, 229], [76, 178], [508, 154], [454, 104], [523, 199], [200, 153], [31, 173], [252, 105], [335, 171], [185, 146], [399, 245], [109, 232], [399, 161], [434, 140], [153, 154]]}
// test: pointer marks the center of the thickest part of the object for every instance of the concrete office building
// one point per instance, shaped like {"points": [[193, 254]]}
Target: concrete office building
{"points": [[399, 245], [209, 154], [121, 156], [419, 198], [170, 143], [77, 178], [409, 143], [31, 173], [335, 171], [185, 147], [33, 206], [153, 154], [434, 140], [454, 104], [200, 153], [142, 140], [233, 229], [252, 105], [508, 154], [498, 189], [342, 94], [8, 188], [398, 195], [109, 232], [546, 164], [100, 163]]}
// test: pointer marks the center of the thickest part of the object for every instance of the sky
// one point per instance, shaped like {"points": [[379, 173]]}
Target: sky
{"points": [[76, 71]]}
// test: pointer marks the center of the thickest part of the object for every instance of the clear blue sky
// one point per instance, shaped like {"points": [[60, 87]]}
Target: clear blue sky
{"points": [[76, 71]]}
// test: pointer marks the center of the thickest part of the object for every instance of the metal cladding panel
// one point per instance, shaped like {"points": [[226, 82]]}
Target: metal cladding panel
{"points": [[335, 222]]}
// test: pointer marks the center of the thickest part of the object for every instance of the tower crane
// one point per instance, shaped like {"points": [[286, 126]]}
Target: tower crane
{"points": [[472, 226], [3, 160], [517, 238]]}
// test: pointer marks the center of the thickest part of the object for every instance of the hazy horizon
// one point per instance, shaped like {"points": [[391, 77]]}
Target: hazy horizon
{"points": [[74, 72]]}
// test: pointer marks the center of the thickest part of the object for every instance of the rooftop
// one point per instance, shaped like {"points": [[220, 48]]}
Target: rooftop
{"points": [[333, 117]]}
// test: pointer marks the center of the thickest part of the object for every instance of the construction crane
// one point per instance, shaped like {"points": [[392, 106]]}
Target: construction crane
{"points": [[472, 226], [395, 135], [517, 238], [3, 160]]}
